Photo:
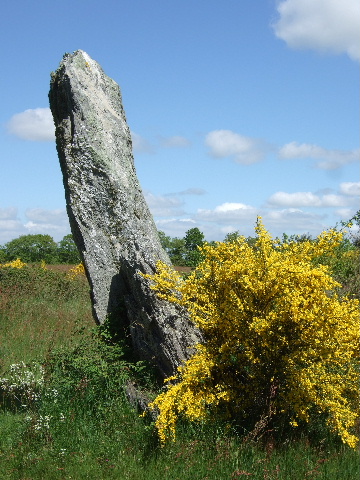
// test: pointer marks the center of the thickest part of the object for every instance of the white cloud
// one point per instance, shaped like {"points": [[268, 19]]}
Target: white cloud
{"points": [[226, 143], [293, 221], [215, 224], [176, 141], [227, 213], [329, 159], [344, 213], [9, 213], [11, 228], [229, 217], [39, 220], [140, 144], [232, 207], [34, 124], [323, 25], [43, 216], [307, 199], [10, 225], [163, 206], [191, 191], [350, 188], [296, 150], [50, 222], [176, 227]]}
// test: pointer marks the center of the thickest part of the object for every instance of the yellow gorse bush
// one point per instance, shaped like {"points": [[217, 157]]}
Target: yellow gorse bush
{"points": [[77, 270], [14, 264], [279, 342]]}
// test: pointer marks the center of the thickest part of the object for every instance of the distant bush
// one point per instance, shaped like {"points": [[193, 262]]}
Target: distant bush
{"points": [[67, 251], [344, 266], [38, 248], [32, 248], [40, 282], [184, 251]]}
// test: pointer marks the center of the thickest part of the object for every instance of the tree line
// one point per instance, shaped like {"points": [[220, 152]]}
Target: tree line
{"points": [[183, 252], [34, 248]]}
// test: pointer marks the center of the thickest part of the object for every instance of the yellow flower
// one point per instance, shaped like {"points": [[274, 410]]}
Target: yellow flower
{"points": [[77, 270], [14, 264], [274, 328]]}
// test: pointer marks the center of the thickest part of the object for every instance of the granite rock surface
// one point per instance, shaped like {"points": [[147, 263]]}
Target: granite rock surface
{"points": [[109, 218]]}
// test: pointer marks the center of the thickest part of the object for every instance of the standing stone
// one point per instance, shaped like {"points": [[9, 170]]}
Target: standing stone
{"points": [[109, 218]]}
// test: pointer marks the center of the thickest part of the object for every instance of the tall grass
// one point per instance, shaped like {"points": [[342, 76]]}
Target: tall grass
{"points": [[65, 414], [39, 310]]}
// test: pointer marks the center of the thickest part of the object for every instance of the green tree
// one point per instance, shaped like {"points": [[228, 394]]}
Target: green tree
{"points": [[2, 254], [193, 240], [67, 250], [232, 236], [174, 247], [177, 252], [32, 248], [354, 222], [165, 240], [296, 238]]}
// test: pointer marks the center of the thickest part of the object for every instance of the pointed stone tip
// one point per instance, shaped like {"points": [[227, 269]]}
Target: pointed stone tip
{"points": [[80, 53], [76, 52], [70, 56], [78, 58]]}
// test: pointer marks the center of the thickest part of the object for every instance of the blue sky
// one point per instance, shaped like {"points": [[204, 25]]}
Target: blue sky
{"points": [[237, 109]]}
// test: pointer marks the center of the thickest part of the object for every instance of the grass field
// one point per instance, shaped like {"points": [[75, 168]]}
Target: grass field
{"points": [[64, 412]]}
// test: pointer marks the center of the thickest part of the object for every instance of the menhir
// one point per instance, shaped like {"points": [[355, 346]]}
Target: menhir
{"points": [[109, 218]]}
